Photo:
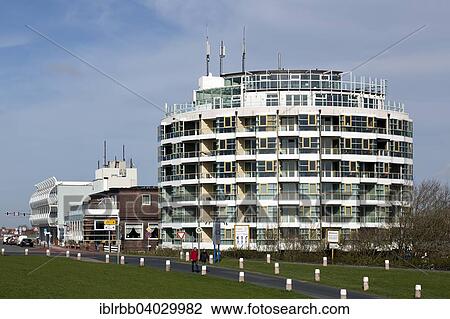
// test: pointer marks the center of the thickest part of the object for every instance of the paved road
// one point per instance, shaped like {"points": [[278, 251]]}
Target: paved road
{"points": [[313, 290]]}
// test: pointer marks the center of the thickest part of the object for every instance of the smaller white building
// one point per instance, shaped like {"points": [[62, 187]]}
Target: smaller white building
{"points": [[49, 203]]}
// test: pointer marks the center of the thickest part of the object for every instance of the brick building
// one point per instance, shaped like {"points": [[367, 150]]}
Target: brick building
{"points": [[135, 209]]}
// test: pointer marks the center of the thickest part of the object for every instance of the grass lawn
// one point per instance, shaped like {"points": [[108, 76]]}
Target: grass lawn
{"points": [[393, 283], [65, 278]]}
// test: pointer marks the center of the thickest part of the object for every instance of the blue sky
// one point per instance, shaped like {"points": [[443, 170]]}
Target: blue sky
{"points": [[55, 112]]}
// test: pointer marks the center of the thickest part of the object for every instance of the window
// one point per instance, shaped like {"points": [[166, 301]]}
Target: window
{"points": [[228, 167], [134, 231], [366, 144], [99, 225], [146, 199], [153, 231], [272, 100], [262, 120]]}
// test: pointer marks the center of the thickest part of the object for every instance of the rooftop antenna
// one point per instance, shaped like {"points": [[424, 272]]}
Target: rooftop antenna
{"points": [[104, 153], [208, 52], [98, 164], [279, 61], [221, 56], [123, 152], [131, 162], [243, 50]]}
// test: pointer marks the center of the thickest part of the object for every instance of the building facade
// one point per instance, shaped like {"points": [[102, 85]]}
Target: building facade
{"points": [[279, 155], [49, 204], [134, 211]]}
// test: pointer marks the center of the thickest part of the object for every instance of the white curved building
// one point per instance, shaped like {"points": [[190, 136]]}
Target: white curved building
{"points": [[50, 203], [282, 156]]}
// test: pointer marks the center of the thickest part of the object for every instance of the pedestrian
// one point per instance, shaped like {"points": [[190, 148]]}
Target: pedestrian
{"points": [[203, 257], [193, 256]]}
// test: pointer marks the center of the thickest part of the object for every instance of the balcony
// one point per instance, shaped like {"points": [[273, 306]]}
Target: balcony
{"points": [[330, 150], [289, 196], [290, 150], [289, 173], [288, 127], [247, 174]]}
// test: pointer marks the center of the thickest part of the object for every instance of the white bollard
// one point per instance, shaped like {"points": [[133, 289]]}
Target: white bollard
{"points": [[365, 283], [288, 284], [418, 292], [317, 274], [343, 293], [211, 259], [79, 256], [3, 251], [122, 260], [277, 268], [141, 262], [67, 254], [26, 252], [325, 261], [167, 265], [187, 256], [107, 259], [268, 258], [386, 264], [181, 255], [241, 276], [47, 252], [241, 263], [203, 270]]}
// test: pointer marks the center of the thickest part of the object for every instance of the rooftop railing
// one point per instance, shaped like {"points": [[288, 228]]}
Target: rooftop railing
{"points": [[193, 107]]}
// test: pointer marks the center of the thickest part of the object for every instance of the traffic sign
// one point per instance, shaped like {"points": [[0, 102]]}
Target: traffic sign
{"points": [[334, 246], [109, 227], [198, 230], [333, 236], [216, 232], [148, 229], [110, 222], [181, 234]]}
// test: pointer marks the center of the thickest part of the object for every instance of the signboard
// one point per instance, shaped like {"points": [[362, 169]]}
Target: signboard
{"points": [[109, 227], [241, 236], [216, 233], [110, 222], [333, 236], [334, 246], [181, 234]]}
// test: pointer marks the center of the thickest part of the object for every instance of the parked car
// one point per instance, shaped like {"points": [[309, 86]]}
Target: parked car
{"points": [[26, 242], [11, 241], [19, 240], [5, 239]]}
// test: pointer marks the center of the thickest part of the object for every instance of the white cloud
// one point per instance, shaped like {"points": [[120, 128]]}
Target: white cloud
{"points": [[11, 40]]}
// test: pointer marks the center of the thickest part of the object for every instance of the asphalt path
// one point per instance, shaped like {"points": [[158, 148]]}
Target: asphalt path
{"points": [[313, 290]]}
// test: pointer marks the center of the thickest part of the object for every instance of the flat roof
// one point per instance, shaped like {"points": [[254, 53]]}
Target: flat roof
{"points": [[282, 71]]}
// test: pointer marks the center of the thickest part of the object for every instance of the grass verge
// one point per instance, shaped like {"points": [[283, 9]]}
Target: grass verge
{"points": [[59, 277], [393, 283]]}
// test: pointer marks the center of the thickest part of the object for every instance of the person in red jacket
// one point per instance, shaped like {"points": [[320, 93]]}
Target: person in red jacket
{"points": [[193, 256]]}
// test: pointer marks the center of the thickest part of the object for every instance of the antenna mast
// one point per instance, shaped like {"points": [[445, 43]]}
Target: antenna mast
{"points": [[208, 52], [221, 56], [279, 61], [123, 152], [104, 153], [243, 50]]}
